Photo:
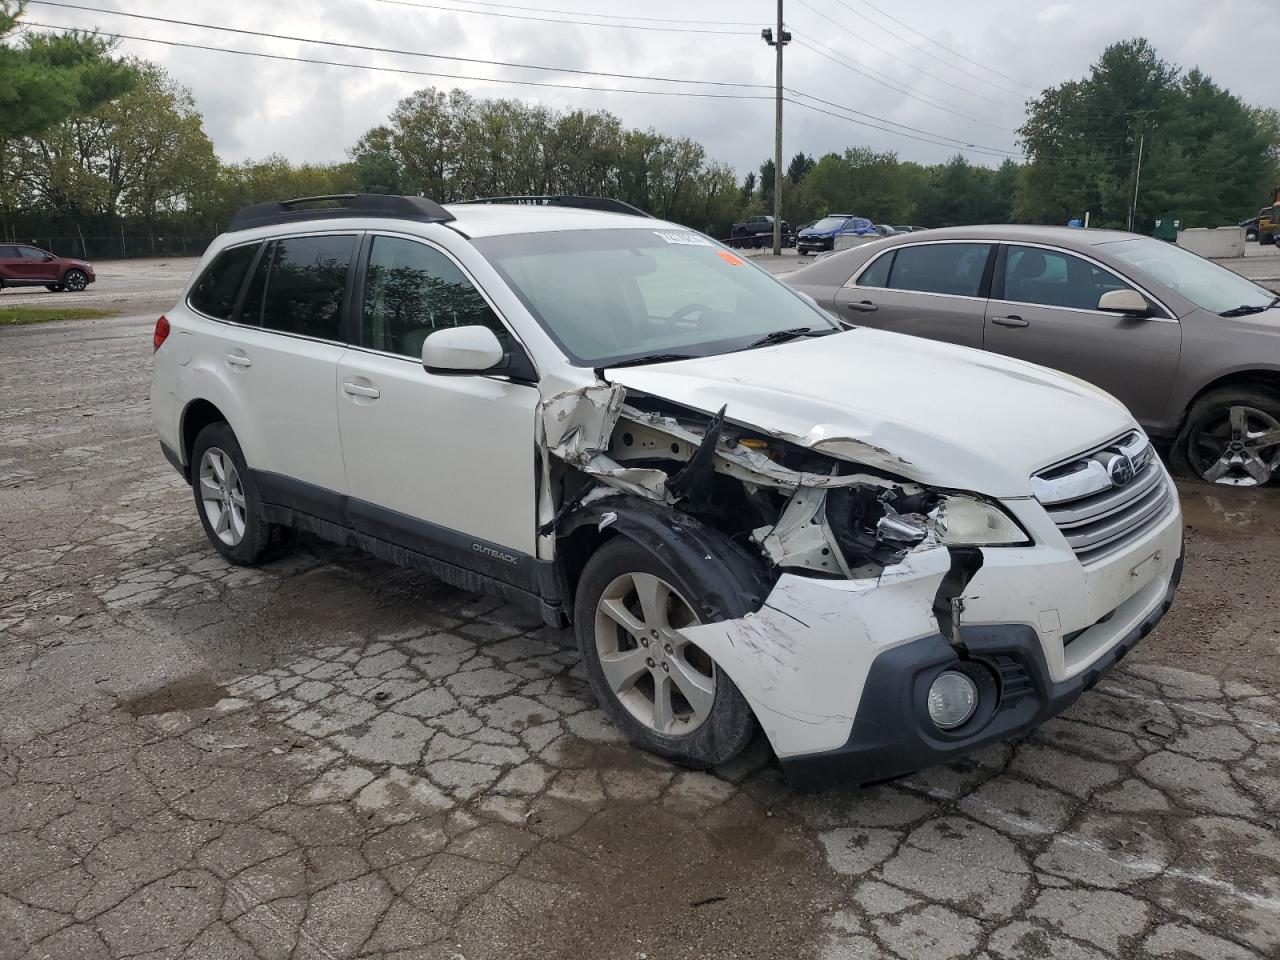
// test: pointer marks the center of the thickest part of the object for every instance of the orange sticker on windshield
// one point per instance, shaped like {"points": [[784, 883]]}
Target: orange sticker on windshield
{"points": [[729, 258]]}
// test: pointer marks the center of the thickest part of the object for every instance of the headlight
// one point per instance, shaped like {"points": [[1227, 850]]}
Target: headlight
{"points": [[961, 521]]}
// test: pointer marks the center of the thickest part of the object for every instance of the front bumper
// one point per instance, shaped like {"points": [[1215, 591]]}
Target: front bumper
{"points": [[892, 734], [831, 666], [814, 244]]}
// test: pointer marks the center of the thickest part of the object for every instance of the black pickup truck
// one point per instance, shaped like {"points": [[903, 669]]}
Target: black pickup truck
{"points": [[758, 232]]}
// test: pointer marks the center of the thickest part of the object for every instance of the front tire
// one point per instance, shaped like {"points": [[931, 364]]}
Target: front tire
{"points": [[660, 688], [1232, 437], [75, 280], [227, 498]]}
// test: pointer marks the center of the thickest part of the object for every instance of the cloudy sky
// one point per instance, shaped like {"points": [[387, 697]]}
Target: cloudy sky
{"points": [[956, 71]]}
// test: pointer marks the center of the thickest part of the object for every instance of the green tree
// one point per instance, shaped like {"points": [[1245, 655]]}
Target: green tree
{"points": [[44, 79], [142, 154], [799, 168], [1205, 155]]}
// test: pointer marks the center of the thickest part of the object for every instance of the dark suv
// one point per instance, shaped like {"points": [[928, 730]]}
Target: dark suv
{"points": [[22, 265]]}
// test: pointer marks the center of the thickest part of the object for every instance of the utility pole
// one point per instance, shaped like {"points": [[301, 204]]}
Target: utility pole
{"points": [[1137, 179], [777, 41]]}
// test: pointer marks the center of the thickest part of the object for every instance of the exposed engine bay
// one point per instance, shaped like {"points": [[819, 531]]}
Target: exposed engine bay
{"points": [[802, 509]]}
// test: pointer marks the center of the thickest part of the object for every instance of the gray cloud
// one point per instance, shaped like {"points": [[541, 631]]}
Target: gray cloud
{"points": [[308, 112]]}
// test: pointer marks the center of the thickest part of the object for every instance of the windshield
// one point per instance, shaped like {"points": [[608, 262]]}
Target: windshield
{"points": [[1201, 281], [828, 223], [607, 296]]}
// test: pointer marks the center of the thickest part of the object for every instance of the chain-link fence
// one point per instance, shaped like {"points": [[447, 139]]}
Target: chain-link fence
{"points": [[117, 246]]}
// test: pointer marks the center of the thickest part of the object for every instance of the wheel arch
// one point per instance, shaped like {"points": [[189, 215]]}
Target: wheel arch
{"points": [[737, 582], [1257, 378], [197, 415]]}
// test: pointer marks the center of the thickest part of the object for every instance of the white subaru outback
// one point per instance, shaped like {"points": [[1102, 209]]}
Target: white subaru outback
{"points": [[883, 550]]}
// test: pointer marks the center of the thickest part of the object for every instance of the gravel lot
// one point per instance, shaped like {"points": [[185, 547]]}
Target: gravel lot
{"points": [[329, 757]]}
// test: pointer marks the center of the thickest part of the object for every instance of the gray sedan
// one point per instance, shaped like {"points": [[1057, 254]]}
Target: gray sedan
{"points": [[1192, 348]]}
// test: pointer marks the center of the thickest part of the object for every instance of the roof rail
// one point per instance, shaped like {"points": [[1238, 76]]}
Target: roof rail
{"points": [[603, 204], [339, 205]]}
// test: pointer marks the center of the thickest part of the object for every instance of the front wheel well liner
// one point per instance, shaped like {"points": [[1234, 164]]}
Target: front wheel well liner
{"points": [[740, 579]]}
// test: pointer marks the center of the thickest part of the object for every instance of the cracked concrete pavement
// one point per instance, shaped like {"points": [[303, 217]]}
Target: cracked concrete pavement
{"points": [[328, 757]]}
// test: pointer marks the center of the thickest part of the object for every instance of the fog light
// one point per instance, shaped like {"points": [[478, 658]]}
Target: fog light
{"points": [[952, 700]]}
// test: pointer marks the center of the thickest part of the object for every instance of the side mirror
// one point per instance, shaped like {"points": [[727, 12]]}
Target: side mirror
{"points": [[1128, 302], [473, 349]]}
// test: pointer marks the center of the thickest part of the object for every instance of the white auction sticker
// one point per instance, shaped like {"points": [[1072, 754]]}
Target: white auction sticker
{"points": [[688, 239]]}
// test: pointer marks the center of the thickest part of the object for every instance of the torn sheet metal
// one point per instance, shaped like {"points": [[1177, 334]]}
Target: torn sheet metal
{"points": [[578, 424], [744, 463], [802, 538]]}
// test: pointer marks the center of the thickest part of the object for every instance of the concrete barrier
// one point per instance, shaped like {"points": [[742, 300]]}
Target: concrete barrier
{"points": [[1216, 242], [843, 242]]}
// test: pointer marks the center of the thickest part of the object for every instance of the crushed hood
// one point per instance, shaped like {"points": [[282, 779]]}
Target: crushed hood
{"points": [[933, 412]]}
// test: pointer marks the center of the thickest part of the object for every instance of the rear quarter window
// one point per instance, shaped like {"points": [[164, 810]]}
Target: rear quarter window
{"points": [[218, 288]]}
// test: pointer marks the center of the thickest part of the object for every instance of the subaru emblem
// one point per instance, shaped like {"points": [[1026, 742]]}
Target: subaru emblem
{"points": [[1120, 470]]}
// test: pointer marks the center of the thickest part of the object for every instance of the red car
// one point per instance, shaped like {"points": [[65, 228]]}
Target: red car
{"points": [[22, 265]]}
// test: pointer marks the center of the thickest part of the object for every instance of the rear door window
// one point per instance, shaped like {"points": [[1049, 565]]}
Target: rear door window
{"points": [[8, 253], [306, 283], [218, 288], [955, 269], [877, 275]]}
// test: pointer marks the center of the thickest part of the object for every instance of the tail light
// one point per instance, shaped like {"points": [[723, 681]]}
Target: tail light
{"points": [[161, 334]]}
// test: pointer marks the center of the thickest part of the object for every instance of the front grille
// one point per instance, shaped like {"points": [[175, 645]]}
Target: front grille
{"points": [[1106, 498]]}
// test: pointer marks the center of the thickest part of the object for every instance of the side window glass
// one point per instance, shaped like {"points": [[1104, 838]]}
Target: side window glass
{"points": [[950, 268], [412, 289], [215, 293], [1053, 279], [877, 275], [31, 253], [305, 286], [8, 253]]}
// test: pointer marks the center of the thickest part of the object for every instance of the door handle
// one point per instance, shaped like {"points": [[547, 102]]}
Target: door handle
{"points": [[1011, 321], [360, 390], [863, 306], [238, 359]]}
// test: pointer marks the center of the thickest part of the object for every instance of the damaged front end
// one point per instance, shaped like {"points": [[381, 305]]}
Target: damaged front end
{"points": [[802, 510]]}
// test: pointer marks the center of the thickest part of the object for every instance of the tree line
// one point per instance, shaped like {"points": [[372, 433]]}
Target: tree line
{"points": [[107, 156]]}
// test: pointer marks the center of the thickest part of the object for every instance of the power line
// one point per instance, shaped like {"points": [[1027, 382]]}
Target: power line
{"points": [[909, 136], [939, 43], [827, 53], [398, 70], [928, 133], [894, 56], [915, 46], [706, 28], [367, 48]]}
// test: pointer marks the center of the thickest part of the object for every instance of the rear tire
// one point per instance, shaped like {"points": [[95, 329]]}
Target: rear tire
{"points": [[625, 665], [54, 287], [227, 499]]}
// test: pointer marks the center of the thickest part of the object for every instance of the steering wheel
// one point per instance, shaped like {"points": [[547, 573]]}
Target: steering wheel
{"points": [[683, 313]]}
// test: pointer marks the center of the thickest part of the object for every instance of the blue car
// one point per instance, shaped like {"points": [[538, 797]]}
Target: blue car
{"points": [[822, 235]]}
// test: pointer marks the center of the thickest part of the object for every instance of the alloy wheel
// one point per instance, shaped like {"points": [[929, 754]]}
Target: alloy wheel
{"points": [[222, 496], [663, 679], [1239, 447], [75, 280]]}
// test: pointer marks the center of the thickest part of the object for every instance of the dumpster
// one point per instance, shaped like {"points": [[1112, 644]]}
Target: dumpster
{"points": [[1167, 228]]}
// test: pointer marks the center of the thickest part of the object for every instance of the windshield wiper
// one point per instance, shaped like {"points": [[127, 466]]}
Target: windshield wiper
{"points": [[649, 358], [782, 336], [1245, 310]]}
